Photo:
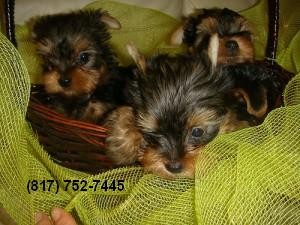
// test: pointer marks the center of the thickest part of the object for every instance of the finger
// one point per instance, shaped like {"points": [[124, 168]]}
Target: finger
{"points": [[42, 219], [61, 217]]}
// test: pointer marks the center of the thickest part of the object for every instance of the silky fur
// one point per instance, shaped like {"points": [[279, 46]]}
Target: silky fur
{"points": [[172, 95], [228, 25], [95, 85], [124, 140], [258, 86], [177, 94]]}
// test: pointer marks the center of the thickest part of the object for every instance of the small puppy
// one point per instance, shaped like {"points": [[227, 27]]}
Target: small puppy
{"points": [[178, 106], [231, 33], [80, 70]]}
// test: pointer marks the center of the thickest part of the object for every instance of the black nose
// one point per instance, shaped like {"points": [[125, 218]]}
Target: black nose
{"points": [[64, 82], [232, 45], [174, 167]]}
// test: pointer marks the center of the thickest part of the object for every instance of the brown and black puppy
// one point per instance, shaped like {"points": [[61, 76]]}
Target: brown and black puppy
{"points": [[256, 87], [80, 70], [231, 33], [178, 107]]}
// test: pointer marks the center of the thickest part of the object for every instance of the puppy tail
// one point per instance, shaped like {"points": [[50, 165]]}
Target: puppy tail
{"points": [[213, 50]]}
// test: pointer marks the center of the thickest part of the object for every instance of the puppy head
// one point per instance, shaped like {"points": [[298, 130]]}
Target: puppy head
{"points": [[179, 108], [233, 32], [172, 145], [75, 51]]}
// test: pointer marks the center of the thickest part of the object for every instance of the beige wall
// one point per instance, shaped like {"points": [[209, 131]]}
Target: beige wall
{"points": [[28, 8]]}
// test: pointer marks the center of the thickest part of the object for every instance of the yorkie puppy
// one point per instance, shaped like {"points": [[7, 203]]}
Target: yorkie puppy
{"points": [[231, 31], [177, 108], [80, 70]]}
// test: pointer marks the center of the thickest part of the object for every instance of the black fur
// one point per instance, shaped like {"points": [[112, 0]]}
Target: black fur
{"points": [[254, 78], [63, 28], [170, 91], [61, 32], [226, 20], [173, 88], [114, 92]]}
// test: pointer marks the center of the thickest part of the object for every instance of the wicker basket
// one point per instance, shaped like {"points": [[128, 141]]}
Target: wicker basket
{"points": [[71, 143], [80, 145]]}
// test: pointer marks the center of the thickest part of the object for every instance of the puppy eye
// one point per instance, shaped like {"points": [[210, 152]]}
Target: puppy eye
{"points": [[197, 132], [83, 58], [231, 45]]}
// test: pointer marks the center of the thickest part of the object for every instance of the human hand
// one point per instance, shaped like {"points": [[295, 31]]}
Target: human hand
{"points": [[58, 217]]}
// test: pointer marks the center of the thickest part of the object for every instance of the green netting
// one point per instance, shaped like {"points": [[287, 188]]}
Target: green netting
{"points": [[246, 177]]}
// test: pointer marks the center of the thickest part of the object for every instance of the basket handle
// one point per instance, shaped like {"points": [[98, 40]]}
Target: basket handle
{"points": [[8, 21], [273, 25]]}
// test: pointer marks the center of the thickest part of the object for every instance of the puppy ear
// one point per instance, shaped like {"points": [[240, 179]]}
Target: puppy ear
{"points": [[177, 36], [257, 109], [213, 50], [138, 58], [110, 21]]}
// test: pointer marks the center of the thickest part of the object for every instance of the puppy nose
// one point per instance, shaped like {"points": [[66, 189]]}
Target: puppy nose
{"points": [[231, 45], [64, 82], [174, 167]]}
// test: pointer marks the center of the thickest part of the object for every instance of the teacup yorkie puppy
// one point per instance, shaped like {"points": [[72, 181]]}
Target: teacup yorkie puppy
{"points": [[231, 31], [80, 70], [178, 106]]}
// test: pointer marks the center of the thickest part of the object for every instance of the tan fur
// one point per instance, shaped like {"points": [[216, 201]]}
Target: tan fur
{"points": [[50, 80], [189, 163], [261, 112], [213, 50], [110, 21], [177, 36], [44, 47], [138, 58], [80, 44], [231, 123], [243, 24], [155, 163], [94, 110], [124, 140], [83, 81], [147, 121], [203, 117], [208, 25]]}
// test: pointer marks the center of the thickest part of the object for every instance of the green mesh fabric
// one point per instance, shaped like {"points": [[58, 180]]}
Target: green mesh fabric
{"points": [[247, 177]]}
